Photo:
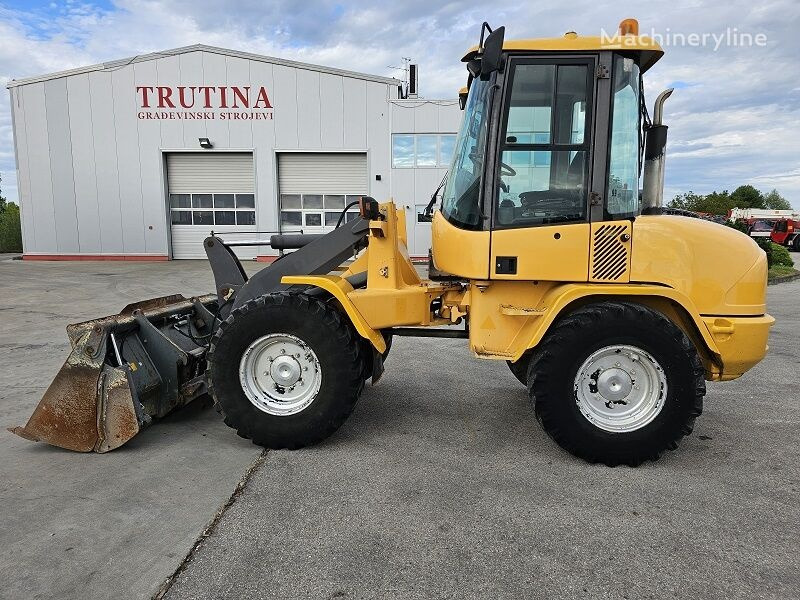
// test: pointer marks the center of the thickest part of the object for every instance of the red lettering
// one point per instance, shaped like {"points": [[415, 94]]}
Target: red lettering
{"points": [[244, 98], [182, 95], [164, 94], [223, 100], [207, 95], [144, 90], [262, 97]]}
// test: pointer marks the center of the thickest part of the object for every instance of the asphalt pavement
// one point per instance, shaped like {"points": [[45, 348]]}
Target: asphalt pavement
{"points": [[99, 526], [440, 485]]}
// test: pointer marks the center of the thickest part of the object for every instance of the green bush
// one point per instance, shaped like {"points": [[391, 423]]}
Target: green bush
{"points": [[779, 256], [776, 254], [10, 229]]}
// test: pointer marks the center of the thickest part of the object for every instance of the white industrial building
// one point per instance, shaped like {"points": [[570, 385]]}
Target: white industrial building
{"points": [[140, 159]]}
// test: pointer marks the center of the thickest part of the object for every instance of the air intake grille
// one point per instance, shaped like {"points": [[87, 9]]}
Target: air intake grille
{"points": [[609, 253]]}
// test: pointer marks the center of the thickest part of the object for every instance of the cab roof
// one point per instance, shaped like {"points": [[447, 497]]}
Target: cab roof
{"points": [[626, 39]]}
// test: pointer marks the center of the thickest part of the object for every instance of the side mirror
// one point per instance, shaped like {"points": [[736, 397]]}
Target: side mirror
{"points": [[492, 54], [463, 94]]}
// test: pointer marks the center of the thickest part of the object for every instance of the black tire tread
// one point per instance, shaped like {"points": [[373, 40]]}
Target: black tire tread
{"points": [[579, 322], [343, 332], [519, 369]]}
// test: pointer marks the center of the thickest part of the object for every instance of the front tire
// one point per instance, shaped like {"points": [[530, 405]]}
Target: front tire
{"points": [[285, 370], [617, 383]]}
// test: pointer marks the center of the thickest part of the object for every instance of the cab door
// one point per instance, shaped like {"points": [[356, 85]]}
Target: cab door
{"points": [[540, 227]]}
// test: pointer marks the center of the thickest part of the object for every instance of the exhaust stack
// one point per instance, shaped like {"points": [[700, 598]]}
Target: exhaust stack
{"points": [[655, 148]]}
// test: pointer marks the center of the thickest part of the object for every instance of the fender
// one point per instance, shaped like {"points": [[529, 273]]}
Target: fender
{"points": [[339, 288], [556, 300]]}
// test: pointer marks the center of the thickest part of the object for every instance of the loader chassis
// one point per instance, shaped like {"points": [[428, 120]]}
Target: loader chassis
{"points": [[541, 257]]}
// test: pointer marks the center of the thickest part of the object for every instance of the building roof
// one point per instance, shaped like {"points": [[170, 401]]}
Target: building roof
{"points": [[202, 48]]}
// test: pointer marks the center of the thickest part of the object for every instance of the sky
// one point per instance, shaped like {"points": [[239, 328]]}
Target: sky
{"points": [[734, 117]]}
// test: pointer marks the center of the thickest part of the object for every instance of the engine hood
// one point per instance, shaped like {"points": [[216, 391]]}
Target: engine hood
{"points": [[720, 269]]}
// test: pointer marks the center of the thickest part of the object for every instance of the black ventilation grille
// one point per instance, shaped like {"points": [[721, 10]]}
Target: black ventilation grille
{"points": [[609, 253]]}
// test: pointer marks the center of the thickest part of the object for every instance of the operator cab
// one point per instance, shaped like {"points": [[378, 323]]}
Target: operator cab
{"points": [[551, 137]]}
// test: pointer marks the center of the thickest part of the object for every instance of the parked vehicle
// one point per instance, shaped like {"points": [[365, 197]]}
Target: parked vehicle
{"points": [[611, 313], [761, 221], [786, 232]]}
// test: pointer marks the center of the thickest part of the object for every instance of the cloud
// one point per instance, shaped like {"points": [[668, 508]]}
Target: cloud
{"points": [[732, 118]]}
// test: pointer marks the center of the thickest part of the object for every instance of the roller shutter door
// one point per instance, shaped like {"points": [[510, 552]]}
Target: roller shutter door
{"points": [[315, 187], [210, 191]]}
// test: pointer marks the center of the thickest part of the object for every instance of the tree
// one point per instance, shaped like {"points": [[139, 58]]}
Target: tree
{"points": [[776, 201], [746, 196], [715, 203], [10, 229], [686, 201], [718, 203], [2, 200]]}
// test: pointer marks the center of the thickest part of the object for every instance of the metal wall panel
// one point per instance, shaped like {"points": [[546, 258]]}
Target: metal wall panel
{"points": [[285, 103], [209, 172], [239, 130], [150, 168], [83, 167], [309, 106], [264, 157], [355, 106], [332, 125], [190, 72], [130, 176], [378, 139], [18, 119], [215, 72], [61, 172], [322, 173], [41, 184], [104, 132], [403, 116]]}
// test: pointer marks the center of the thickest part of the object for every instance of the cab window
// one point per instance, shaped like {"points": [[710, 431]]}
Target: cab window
{"points": [[542, 175], [622, 196]]}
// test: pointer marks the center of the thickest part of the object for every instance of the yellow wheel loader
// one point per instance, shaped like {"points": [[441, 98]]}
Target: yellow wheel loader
{"points": [[612, 311]]}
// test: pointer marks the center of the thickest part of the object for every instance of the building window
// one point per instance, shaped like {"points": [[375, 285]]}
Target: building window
{"points": [[212, 209], [402, 151], [306, 211], [422, 150]]}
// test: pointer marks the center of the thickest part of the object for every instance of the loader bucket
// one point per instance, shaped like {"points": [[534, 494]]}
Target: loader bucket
{"points": [[124, 371]]}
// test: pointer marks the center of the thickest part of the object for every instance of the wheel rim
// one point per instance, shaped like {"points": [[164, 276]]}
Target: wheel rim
{"points": [[280, 374], [620, 388]]}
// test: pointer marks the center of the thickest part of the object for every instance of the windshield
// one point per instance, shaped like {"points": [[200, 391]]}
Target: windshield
{"points": [[461, 196], [761, 226]]}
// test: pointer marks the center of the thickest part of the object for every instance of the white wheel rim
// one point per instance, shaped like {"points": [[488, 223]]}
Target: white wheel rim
{"points": [[620, 388], [280, 374]]}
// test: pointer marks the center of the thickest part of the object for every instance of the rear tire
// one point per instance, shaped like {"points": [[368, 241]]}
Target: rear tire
{"points": [[599, 379], [796, 243], [520, 368], [285, 370]]}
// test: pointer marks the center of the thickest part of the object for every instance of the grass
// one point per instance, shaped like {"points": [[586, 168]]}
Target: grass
{"points": [[781, 271]]}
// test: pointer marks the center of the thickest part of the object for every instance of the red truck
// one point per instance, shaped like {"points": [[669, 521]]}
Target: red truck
{"points": [[781, 226], [786, 232]]}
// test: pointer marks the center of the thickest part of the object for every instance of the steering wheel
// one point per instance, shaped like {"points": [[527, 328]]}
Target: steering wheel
{"points": [[506, 170]]}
